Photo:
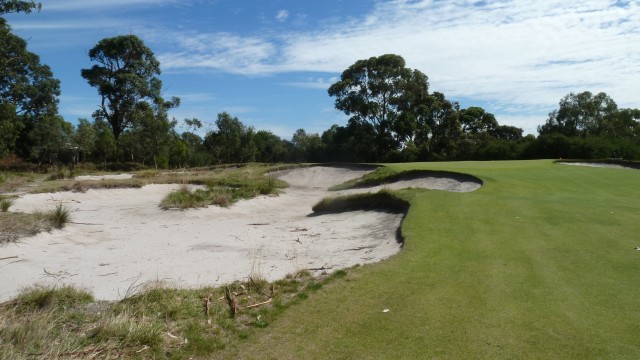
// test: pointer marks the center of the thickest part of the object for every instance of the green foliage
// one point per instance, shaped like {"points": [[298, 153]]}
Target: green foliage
{"points": [[16, 6], [26, 84], [382, 92], [60, 216], [5, 203], [232, 142], [125, 77]]}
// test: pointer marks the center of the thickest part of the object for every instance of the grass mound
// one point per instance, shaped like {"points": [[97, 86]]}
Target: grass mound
{"points": [[224, 187], [383, 200], [15, 225], [385, 175]]}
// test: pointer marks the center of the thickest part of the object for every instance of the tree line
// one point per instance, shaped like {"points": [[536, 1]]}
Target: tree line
{"points": [[392, 118]]}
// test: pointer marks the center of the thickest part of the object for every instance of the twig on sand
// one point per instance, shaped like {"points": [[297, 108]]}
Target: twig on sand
{"points": [[9, 257], [320, 268]]}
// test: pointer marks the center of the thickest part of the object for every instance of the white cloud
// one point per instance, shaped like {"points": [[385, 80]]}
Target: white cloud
{"points": [[282, 16], [314, 83], [78, 5]]}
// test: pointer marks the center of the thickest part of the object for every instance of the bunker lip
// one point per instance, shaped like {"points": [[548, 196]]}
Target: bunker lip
{"points": [[120, 239]]}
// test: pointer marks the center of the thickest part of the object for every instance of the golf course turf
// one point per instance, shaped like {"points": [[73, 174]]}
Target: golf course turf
{"points": [[539, 263]]}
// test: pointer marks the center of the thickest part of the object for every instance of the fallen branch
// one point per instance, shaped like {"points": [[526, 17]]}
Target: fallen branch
{"points": [[258, 304], [320, 268], [9, 257]]}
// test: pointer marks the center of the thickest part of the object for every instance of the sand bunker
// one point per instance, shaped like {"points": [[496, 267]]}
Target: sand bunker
{"points": [[590, 164], [103, 177], [120, 239]]}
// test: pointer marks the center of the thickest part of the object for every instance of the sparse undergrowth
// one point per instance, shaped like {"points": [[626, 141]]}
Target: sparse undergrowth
{"points": [[14, 225], [224, 187], [158, 323]]}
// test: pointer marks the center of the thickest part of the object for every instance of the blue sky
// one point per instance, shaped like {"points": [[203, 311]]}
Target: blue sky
{"points": [[270, 62]]}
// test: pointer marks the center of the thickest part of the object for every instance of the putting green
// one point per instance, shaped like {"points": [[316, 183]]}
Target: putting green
{"points": [[538, 263]]}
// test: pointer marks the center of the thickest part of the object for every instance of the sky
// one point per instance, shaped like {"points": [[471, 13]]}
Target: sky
{"points": [[270, 63]]}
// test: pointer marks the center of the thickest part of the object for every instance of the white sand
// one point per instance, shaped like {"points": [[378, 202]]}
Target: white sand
{"points": [[119, 239], [103, 177], [601, 165]]}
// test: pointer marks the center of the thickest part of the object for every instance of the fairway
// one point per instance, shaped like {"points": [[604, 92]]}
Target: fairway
{"points": [[538, 263]]}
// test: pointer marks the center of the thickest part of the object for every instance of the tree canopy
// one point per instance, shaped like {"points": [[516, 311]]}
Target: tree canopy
{"points": [[15, 6], [24, 82], [383, 92], [125, 76]]}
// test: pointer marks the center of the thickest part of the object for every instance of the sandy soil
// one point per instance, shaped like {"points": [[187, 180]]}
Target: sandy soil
{"points": [[103, 177], [588, 164], [119, 239]]}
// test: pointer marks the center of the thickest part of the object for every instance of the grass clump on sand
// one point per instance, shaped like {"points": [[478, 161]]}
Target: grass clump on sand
{"points": [[157, 323], [59, 216], [16, 225], [5, 203], [224, 187]]}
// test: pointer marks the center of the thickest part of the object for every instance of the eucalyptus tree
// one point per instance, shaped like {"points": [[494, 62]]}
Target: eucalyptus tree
{"points": [[384, 93], [126, 78], [24, 82], [15, 6], [581, 114]]}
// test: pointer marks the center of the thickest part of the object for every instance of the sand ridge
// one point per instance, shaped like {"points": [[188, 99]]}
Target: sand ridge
{"points": [[120, 239]]}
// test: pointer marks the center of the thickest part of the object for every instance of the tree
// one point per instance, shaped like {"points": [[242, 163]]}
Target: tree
{"points": [[84, 138], [270, 148], [15, 6], [24, 82], [125, 77], [233, 142], [580, 114], [51, 137], [381, 91], [10, 127], [105, 145]]}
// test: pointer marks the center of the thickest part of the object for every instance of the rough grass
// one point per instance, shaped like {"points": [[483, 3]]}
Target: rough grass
{"points": [[385, 175], [14, 226], [158, 323], [382, 200], [5, 203], [537, 264], [225, 186]]}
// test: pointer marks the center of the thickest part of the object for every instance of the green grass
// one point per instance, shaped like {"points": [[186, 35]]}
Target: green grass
{"points": [[537, 264]]}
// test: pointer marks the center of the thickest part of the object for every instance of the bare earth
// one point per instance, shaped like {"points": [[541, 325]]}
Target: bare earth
{"points": [[119, 239]]}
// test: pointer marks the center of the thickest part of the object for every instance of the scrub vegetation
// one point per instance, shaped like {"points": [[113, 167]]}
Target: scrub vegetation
{"points": [[157, 323]]}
